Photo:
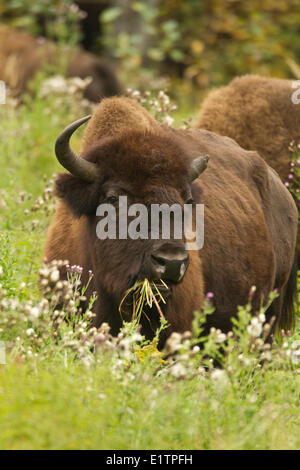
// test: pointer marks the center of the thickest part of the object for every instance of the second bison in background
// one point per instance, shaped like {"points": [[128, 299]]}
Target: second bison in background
{"points": [[259, 114], [250, 218], [23, 55]]}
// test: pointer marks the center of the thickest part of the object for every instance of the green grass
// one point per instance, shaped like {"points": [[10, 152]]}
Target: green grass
{"points": [[59, 406], [51, 399]]}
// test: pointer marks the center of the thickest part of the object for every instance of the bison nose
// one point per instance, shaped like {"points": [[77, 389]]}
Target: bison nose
{"points": [[170, 266]]}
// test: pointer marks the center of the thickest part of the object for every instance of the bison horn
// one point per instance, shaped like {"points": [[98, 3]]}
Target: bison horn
{"points": [[68, 159], [198, 165]]}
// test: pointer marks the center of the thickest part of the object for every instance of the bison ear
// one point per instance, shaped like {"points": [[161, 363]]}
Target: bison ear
{"points": [[197, 167], [81, 197]]}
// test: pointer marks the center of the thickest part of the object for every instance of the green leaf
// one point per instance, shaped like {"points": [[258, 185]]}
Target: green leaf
{"points": [[177, 55], [155, 54], [111, 14]]}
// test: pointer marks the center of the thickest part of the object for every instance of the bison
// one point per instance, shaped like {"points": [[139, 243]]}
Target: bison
{"points": [[259, 114], [250, 218], [23, 55]]}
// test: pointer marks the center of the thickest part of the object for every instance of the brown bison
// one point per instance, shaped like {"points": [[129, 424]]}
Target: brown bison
{"points": [[22, 55], [250, 218], [259, 114]]}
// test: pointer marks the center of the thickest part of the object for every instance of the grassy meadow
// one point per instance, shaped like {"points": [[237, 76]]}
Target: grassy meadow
{"points": [[66, 387]]}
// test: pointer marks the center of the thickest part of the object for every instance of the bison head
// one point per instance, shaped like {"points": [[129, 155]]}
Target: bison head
{"points": [[148, 168]]}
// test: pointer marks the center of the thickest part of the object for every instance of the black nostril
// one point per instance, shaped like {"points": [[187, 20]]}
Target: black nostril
{"points": [[159, 260], [170, 266]]}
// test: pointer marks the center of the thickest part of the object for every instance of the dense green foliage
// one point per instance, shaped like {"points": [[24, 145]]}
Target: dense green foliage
{"points": [[205, 42], [55, 19]]}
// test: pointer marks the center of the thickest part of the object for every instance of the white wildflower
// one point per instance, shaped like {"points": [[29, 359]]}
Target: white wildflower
{"points": [[262, 318], [168, 120], [54, 276], [219, 377], [101, 396], [255, 328], [57, 85], [178, 370], [267, 356], [221, 337], [44, 272], [173, 343], [34, 313], [136, 337], [252, 398], [295, 352]]}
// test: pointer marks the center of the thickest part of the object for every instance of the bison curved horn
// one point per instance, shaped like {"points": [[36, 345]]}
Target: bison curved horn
{"points": [[198, 165], [68, 159]]}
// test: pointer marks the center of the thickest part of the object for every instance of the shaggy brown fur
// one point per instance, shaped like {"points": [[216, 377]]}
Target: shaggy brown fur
{"points": [[22, 55], [258, 113], [250, 217]]}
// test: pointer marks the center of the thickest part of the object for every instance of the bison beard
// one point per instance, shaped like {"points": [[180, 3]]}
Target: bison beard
{"points": [[250, 217]]}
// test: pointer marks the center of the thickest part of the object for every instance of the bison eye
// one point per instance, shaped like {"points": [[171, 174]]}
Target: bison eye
{"points": [[111, 200]]}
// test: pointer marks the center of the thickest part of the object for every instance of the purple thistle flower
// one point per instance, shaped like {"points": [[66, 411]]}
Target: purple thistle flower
{"points": [[210, 295]]}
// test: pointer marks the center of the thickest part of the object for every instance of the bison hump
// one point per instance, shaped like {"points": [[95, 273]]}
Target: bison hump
{"points": [[114, 116]]}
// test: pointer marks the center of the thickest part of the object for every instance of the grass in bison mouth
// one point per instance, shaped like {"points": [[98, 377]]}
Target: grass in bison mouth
{"points": [[145, 298]]}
